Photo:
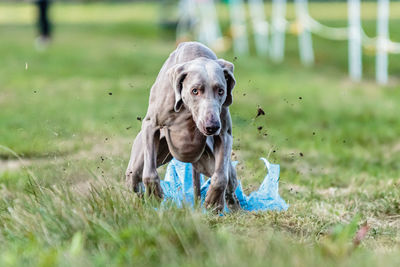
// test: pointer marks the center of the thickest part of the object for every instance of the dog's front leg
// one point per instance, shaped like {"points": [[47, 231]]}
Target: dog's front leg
{"points": [[151, 139], [215, 197]]}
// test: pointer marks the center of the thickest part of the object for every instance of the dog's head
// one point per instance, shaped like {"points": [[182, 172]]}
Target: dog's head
{"points": [[203, 86]]}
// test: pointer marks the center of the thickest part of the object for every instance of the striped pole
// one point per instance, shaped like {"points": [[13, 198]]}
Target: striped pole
{"points": [[355, 57], [239, 31], [305, 41], [208, 32], [382, 27], [278, 27], [187, 15], [260, 26]]}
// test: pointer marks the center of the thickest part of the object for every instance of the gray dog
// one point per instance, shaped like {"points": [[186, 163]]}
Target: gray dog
{"points": [[188, 118]]}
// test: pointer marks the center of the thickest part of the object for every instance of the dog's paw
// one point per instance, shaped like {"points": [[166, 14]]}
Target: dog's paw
{"points": [[215, 198], [232, 201], [153, 187], [133, 182]]}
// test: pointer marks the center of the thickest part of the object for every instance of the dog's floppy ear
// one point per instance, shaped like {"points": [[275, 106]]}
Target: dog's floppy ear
{"points": [[230, 79], [176, 76]]}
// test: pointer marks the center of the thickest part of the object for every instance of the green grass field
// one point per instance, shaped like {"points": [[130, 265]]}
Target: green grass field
{"points": [[65, 143]]}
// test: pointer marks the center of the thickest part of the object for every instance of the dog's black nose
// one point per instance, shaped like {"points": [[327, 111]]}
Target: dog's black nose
{"points": [[212, 129]]}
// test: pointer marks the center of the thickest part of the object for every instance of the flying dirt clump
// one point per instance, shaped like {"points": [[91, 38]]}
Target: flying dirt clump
{"points": [[260, 112]]}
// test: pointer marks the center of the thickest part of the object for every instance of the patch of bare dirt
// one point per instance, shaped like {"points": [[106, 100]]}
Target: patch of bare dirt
{"points": [[12, 164], [107, 147]]}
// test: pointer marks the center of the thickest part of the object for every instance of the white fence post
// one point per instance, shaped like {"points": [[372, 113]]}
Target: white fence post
{"points": [[260, 26], [305, 41], [209, 31], [187, 15], [381, 64], [355, 56], [278, 28], [239, 32]]}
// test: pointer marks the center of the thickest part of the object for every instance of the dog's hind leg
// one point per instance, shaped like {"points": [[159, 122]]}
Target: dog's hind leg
{"points": [[163, 154], [206, 166], [196, 184], [230, 196], [134, 171]]}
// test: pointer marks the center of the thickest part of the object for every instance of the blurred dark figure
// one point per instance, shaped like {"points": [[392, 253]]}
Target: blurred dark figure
{"points": [[44, 24]]}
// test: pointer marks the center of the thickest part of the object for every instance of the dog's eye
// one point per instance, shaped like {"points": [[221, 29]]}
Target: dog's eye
{"points": [[195, 91], [221, 91]]}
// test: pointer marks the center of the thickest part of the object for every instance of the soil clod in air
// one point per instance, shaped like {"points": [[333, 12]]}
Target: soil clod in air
{"points": [[260, 112]]}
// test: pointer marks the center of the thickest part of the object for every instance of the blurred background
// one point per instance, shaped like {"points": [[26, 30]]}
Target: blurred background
{"points": [[74, 85], [77, 74]]}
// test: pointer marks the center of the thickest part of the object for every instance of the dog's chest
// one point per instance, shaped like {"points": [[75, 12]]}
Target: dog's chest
{"points": [[185, 141]]}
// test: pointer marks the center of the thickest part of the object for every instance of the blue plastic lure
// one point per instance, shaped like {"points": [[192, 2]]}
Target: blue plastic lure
{"points": [[178, 188]]}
